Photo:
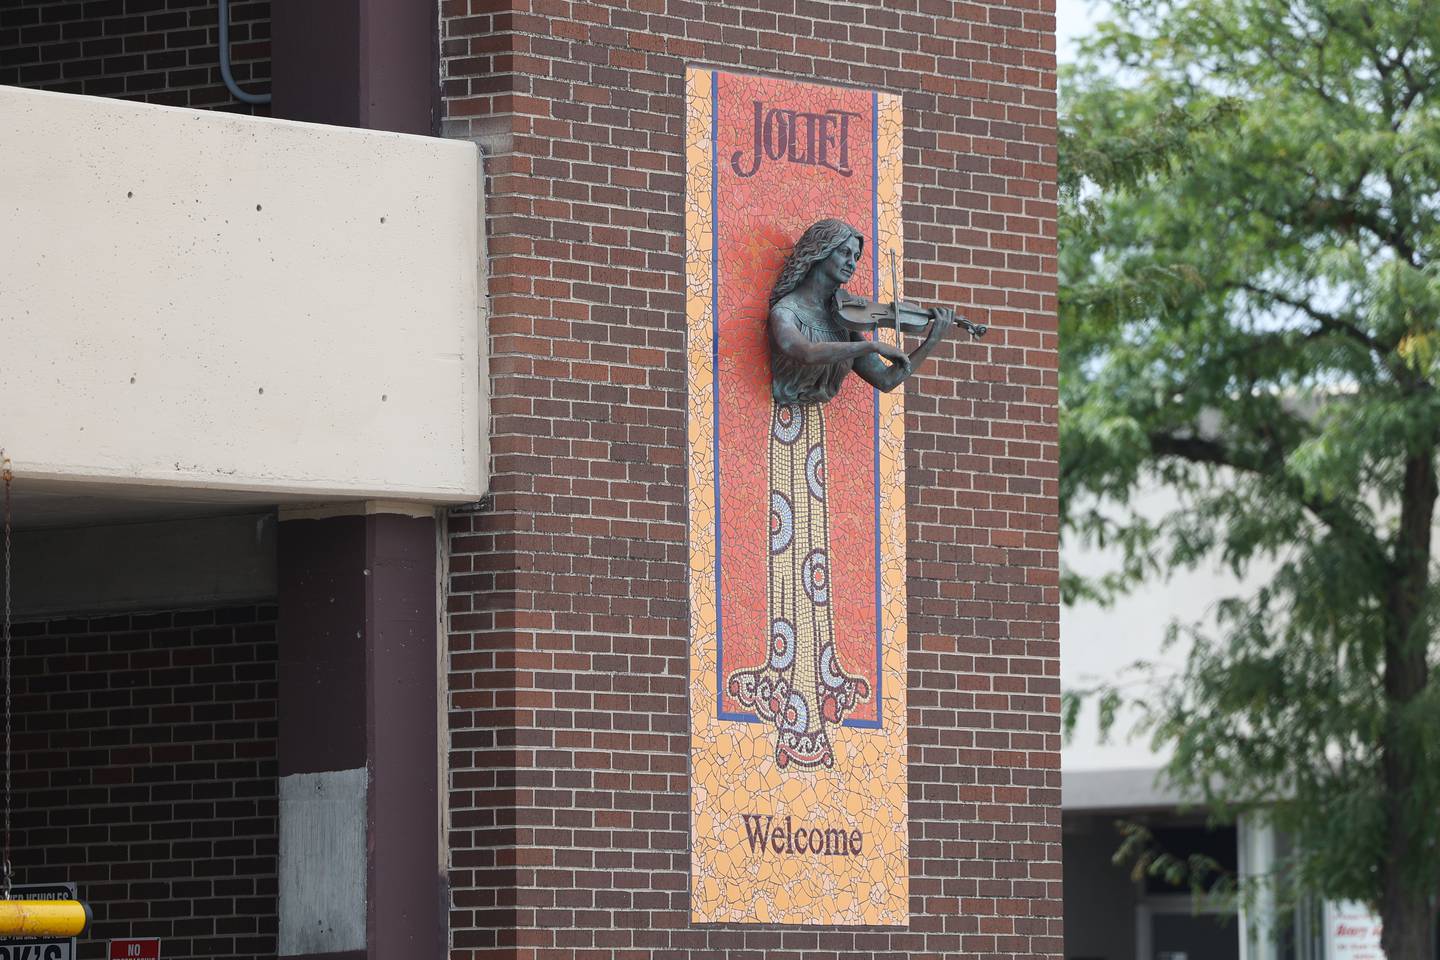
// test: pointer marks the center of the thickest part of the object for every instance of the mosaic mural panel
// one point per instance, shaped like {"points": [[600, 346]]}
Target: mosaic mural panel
{"points": [[797, 524]]}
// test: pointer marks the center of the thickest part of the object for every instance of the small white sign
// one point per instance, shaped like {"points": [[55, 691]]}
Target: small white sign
{"points": [[1352, 932], [40, 948]]}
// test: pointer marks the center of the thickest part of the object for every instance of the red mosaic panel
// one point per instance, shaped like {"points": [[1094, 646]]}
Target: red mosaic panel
{"points": [[759, 218]]}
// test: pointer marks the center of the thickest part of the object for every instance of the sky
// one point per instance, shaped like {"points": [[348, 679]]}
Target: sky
{"points": [[1073, 19]]}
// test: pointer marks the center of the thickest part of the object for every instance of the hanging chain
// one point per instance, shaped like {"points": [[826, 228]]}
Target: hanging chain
{"points": [[6, 875]]}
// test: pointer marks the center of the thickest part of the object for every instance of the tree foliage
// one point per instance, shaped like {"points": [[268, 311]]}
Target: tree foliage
{"points": [[1250, 315]]}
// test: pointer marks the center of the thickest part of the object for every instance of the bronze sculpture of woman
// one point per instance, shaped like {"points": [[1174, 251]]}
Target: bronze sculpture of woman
{"points": [[802, 689]]}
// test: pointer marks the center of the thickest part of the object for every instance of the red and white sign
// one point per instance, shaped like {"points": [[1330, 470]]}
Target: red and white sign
{"points": [[147, 949], [1352, 932]]}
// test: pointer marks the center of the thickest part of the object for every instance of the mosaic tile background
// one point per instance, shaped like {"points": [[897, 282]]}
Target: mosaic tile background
{"points": [[738, 230]]}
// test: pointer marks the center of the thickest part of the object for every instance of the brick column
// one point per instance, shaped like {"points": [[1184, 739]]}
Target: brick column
{"points": [[570, 638], [360, 868]]}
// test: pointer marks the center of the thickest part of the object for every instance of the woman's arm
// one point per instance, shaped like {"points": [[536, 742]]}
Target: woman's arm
{"points": [[790, 340], [887, 378]]}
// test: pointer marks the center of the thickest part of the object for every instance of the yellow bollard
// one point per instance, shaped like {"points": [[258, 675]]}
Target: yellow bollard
{"points": [[43, 918]]}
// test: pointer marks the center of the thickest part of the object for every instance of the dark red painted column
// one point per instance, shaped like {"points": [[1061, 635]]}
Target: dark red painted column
{"points": [[360, 867], [357, 63]]}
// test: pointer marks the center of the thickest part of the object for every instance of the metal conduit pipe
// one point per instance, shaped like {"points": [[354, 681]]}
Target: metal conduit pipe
{"points": [[225, 73]]}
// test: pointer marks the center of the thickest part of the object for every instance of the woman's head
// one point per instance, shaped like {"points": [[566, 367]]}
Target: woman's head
{"points": [[815, 246]]}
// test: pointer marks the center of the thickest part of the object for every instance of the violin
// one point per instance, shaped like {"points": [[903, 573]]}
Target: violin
{"points": [[862, 316]]}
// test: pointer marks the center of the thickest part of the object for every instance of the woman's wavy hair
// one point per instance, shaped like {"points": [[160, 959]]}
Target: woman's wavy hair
{"points": [[815, 244]]}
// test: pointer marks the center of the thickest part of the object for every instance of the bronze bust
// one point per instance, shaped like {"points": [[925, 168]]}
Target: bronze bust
{"points": [[812, 347]]}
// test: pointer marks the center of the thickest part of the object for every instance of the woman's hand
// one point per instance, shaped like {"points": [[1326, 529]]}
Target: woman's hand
{"points": [[944, 319], [890, 352]]}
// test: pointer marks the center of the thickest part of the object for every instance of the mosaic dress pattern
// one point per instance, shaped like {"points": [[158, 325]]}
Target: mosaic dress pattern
{"points": [[801, 690]]}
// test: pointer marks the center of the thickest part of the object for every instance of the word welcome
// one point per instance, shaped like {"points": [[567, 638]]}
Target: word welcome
{"points": [[812, 139], [765, 836]]}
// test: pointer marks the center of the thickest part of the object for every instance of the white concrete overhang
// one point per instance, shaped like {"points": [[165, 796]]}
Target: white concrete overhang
{"points": [[217, 310], [1118, 790]]}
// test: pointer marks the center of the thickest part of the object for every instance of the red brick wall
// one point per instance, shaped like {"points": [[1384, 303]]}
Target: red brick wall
{"points": [[568, 634], [158, 51], [145, 773]]}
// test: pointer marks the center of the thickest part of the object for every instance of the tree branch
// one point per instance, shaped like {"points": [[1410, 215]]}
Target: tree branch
{"points": [[1270, 466], [1344, 215], [1286, 66], [1333, 323], [1329, 322]]}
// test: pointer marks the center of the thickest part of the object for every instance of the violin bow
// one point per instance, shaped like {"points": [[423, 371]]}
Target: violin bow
{"points": [[895, 301], [976, 330]]}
